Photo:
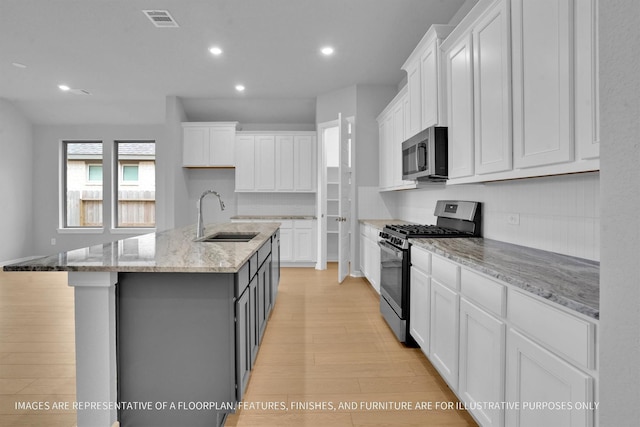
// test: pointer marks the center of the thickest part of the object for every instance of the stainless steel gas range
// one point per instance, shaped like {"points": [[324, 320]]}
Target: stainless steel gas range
{"points": [[454, 219]]}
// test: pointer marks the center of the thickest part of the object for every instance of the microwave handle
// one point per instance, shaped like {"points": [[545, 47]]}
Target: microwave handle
{"points": [[421, 156]]}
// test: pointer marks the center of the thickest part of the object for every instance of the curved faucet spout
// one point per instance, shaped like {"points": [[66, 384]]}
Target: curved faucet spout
{"points": [[200, 226]]}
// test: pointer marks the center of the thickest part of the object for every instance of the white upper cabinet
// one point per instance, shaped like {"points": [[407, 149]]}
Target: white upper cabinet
{"points": [[285, 158], [304, 166], [542, 82], [245, 154], [459, 67], [587, 113], [424, 81], [533, 96], [430, 94], [393, 123], [208, 144], [492, 91], [276, 162], [265, 163], [415, 106]]}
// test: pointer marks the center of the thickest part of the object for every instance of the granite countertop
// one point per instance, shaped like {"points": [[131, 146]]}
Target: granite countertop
{"points": [[273, 217], [568, 281], [380, 223], [167, 251]]}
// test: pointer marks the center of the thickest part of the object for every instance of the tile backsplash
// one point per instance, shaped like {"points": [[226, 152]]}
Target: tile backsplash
{"points": [[276, 203], [559, 214]]}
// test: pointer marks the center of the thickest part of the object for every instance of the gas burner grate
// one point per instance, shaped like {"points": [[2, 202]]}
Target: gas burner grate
{"points": [[418, 230]]}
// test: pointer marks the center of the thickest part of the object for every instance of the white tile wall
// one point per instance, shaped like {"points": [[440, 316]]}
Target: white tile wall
{"points": [[559, 214], [276, 203], [371, 204]]}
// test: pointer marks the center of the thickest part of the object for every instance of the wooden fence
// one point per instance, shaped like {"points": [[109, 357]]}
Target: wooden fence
{"points": [[135, 208]]}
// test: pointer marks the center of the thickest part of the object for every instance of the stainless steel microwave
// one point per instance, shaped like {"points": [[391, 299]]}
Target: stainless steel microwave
{"points": [[424, 155]]}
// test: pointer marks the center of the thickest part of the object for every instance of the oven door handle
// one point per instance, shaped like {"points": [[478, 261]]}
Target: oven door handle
{"points": [[389, 248]]}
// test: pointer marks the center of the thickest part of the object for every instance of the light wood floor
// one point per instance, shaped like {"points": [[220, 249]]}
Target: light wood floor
{"points": [[37, 350], [325, 344]]}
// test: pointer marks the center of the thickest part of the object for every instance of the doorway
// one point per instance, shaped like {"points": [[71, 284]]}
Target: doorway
{"points": [[335, 192]]}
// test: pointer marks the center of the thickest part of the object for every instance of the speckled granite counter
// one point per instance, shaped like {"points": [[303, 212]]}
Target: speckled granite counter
{"points": [[568, 281], [380, 223], [167, 251], [271, 217]]}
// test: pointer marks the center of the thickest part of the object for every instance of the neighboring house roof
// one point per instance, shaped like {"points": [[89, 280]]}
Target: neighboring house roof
{"points": [[77, 148], [124, 148]]}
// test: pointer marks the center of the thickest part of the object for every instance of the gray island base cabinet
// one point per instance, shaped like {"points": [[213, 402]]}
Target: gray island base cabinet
{"points": [[175, 344], [190, 339], [166, 335]]}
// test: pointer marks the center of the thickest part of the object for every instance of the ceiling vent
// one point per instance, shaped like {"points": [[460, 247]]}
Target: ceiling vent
{"points": [[161, 18]]}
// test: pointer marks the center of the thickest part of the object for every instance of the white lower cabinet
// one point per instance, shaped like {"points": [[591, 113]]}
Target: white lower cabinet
{"points": [[536, 376], [370, 255], [373, 260], [482, 360], [419, 315], [286, 244], [297, 240], [303, 241], [443, 331], [512, 358]]}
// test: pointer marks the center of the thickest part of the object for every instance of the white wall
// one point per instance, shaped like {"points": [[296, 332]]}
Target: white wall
{"points": [[370, 102], [46, 195], [16, 179], [620, 188], [172, 176], [220, 180], [559, 214]]}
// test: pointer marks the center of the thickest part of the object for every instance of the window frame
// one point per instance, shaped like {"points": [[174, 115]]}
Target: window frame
{"points": [[63, 224], [117, 179]]}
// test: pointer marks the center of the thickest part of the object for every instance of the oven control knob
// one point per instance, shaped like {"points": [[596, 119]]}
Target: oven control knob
{"points": [[384, 235]]}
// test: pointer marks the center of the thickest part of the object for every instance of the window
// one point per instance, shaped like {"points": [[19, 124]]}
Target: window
{"points": [[95, 174], [130, 173], [82, 177], [135, 201]]}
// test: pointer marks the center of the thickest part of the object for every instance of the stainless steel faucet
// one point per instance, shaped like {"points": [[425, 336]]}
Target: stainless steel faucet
{"points": [[200, 229]]}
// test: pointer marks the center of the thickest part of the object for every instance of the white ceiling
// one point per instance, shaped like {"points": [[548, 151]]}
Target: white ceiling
{"points": [[111, 49]]}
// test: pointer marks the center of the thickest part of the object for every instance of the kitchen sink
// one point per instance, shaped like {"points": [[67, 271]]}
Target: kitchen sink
{"points": [[221, 237]]}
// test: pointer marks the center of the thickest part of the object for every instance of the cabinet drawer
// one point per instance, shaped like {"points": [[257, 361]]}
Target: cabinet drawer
{"points": [[263, 253], [568, 335], [486, 292], [253, 265], [373, 233], [303, 223], [242, 278], [421, 259], [286, 223], [445, 272]]}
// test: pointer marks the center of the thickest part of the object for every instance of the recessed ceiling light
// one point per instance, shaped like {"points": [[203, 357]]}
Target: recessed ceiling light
{"points": [[64, 87], [18, 65], [327, 50], [215, 50], [240, 88]]}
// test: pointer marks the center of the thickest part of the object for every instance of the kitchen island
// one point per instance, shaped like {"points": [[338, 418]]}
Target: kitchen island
{"points": [[167, 328]]}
